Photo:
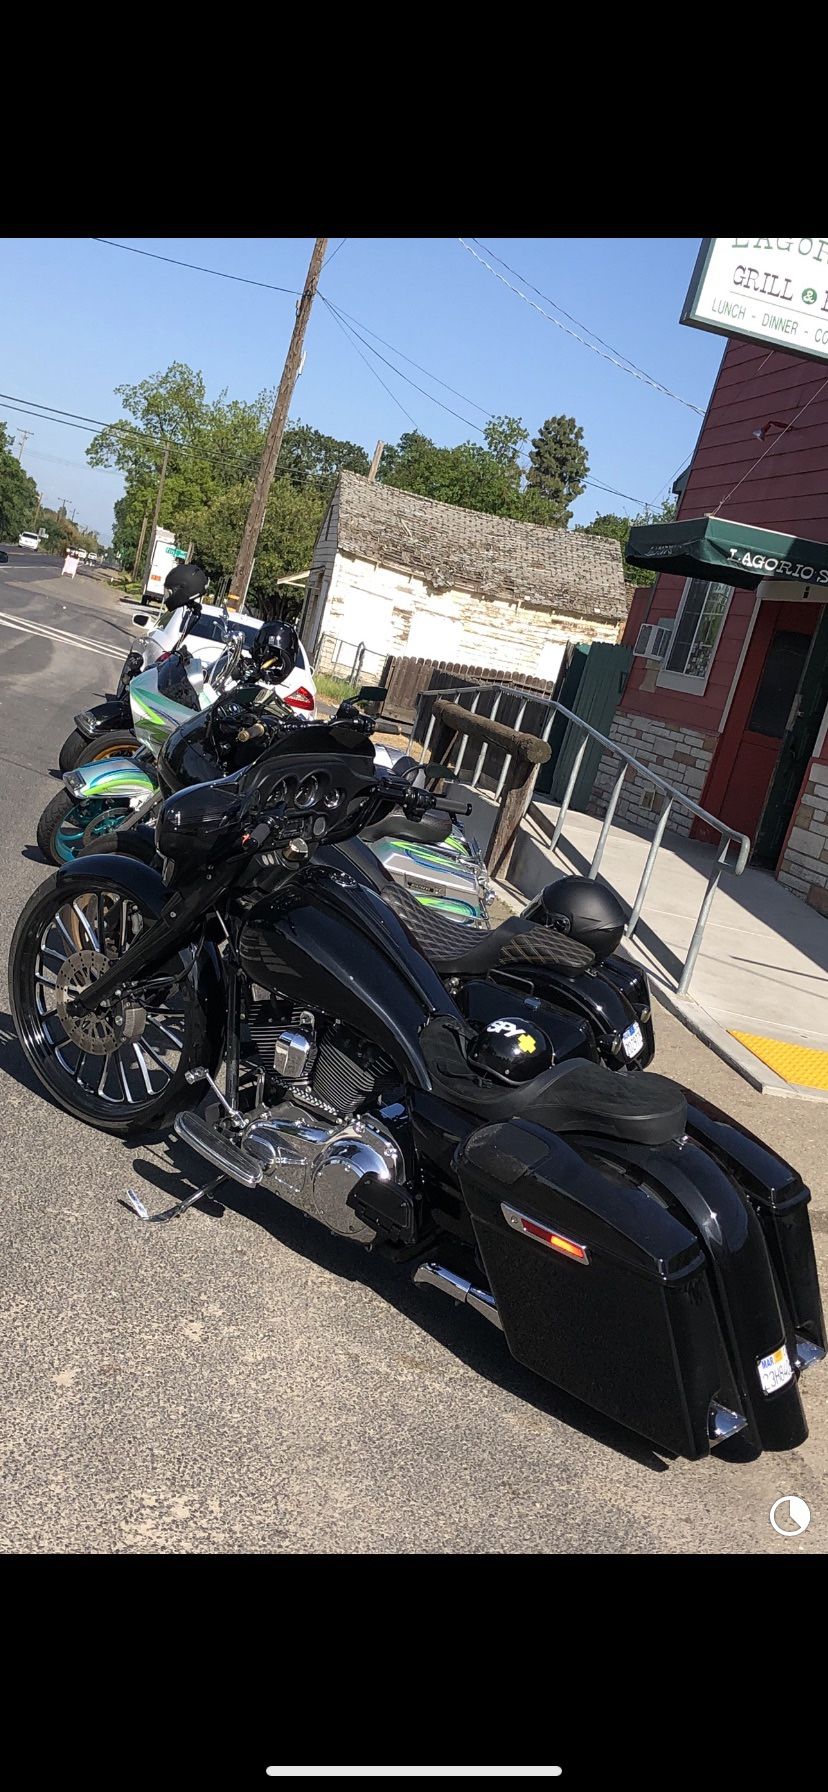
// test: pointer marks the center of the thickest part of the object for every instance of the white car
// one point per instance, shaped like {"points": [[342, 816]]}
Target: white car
{"points": [[207, 636], [28, 539]]}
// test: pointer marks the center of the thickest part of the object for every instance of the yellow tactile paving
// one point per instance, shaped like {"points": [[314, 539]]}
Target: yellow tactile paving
{"points": [[799, 1064]]}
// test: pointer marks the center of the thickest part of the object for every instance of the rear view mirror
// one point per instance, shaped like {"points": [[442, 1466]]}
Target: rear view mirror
{"points": [[371, 693], [141, 619], [3, 556]]}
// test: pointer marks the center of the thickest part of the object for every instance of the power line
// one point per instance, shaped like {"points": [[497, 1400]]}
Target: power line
{"points": [[348, 334], [625, 366], [334, 252], [615, 493], [404, 376], [774, 443], [564, 313], [196, 268], [244, 465], [340, 316], [412, 363]]}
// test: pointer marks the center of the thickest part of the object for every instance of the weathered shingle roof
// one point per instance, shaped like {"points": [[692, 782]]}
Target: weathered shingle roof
{"points": [[566, 570]]}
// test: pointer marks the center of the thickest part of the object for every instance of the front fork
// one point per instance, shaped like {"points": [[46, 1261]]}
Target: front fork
{"points": [[174, 928]]}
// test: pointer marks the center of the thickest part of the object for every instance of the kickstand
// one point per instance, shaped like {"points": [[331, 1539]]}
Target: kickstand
{"points": [[171, 1213]]}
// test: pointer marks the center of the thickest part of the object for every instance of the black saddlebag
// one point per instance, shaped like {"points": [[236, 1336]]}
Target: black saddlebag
{"points": [[637, 1279], [780, 1201]]}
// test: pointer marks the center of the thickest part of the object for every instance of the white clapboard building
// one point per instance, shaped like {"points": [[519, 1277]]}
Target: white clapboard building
{"points": [[401, 574]]}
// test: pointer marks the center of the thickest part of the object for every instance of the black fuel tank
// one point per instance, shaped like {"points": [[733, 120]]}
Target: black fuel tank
{"points": [[337, 947]]}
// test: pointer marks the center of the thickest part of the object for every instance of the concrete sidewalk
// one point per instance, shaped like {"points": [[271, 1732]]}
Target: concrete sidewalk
{"points": [[763, 964]]}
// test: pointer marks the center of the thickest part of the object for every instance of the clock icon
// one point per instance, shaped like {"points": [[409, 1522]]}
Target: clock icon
{"points": [[790, 1516]]}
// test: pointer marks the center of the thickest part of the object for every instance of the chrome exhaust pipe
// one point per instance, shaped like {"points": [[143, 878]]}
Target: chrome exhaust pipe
{"points": [[433, 1275]]}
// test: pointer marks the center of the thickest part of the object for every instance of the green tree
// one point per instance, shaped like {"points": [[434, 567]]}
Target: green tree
{"points": [[18, 493], [558, 466], [506, 438], [469, 475], [63, 536], [492, 477], [215, 450], [309, 458], [617, 528], [286, 543]]}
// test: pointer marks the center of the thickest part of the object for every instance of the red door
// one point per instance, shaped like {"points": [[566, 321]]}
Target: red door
{"points": [[741, 773]]}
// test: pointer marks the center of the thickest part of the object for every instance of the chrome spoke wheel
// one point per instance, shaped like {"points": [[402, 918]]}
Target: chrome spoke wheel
{"points": [[123, 1054]]}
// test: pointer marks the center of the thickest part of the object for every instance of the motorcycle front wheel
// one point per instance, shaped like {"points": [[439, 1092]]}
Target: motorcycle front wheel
{"points": [[67, 825], [123, 1070]]}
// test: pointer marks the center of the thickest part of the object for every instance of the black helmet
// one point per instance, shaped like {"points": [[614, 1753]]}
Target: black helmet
{"points": [[511, 1049], [587, 911], [275, 650], [184, 585]]}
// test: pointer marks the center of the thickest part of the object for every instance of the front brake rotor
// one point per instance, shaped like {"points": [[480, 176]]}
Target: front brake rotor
{"points": [[95, 1032]]}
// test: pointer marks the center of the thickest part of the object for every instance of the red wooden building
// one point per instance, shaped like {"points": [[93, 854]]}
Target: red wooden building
{"points": [[730, 697]]}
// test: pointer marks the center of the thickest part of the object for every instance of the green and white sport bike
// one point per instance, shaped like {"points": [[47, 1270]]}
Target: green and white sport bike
{"points": [[101, 796]]}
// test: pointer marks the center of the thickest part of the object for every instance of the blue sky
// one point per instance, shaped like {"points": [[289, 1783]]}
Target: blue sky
{"points": [[78, 318]]}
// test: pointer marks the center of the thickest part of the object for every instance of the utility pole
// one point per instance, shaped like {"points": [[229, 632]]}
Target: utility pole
{"points": [[140, 543], [273, 442], [39, 505], [158, 496], [374, 467], [23, 437]]}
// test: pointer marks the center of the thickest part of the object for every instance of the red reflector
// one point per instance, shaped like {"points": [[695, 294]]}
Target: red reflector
{"points": [[300, 698], [162, 657], [555, 1241]]}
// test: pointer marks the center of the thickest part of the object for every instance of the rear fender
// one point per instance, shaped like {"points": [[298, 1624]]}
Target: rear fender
{"points": [[112, 780]]}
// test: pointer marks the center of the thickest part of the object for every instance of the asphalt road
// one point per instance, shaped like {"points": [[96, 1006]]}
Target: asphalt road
{"points": [[246, 1383]]}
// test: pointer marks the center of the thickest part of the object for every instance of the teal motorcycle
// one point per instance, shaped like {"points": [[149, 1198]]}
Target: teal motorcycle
{"points": [[99, 797]]}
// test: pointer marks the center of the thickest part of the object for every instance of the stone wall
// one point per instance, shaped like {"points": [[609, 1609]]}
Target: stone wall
{"points": [[804, 867], [680, 755]]}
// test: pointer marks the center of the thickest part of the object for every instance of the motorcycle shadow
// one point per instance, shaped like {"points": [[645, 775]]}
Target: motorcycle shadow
{"points": [[467, 1336]]}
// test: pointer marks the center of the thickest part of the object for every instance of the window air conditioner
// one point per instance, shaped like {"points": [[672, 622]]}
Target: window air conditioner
{"points": [[653, 640]]}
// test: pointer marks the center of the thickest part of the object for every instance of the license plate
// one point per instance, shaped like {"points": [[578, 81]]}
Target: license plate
{"points": [[633, 1040], [422, 888], [775, 1370]]}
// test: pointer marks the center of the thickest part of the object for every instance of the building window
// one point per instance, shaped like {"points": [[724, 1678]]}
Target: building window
{"points": [[699, 624]]}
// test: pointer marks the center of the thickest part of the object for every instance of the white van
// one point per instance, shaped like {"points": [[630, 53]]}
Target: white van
{"points": [[29, 539]]}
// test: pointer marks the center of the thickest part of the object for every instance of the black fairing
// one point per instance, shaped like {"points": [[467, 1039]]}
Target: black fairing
{"points": [[341, 950], [105, 717], [199, 824], [174, 684]]}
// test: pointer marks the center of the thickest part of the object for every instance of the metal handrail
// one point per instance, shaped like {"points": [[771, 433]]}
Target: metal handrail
{"points": [[672, 793]]}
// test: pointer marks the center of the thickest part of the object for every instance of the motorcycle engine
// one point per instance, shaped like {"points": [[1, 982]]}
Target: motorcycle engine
{"points": [[315, 1149]]}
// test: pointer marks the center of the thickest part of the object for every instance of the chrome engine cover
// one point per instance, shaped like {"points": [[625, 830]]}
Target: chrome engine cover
{"points": [[315, 1164]]}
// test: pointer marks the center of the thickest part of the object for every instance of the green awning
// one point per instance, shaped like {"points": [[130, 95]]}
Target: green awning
{"points": [[710, 547]]}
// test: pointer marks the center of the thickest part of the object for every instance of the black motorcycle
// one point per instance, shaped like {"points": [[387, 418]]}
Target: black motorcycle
{"points": [[611, 997], [402, 1080]]}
